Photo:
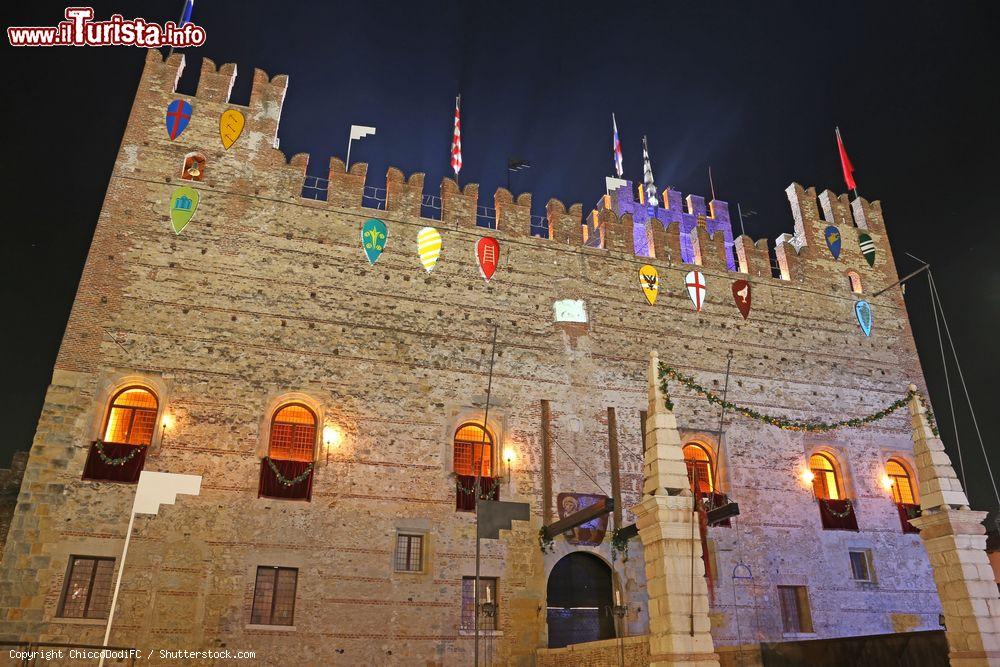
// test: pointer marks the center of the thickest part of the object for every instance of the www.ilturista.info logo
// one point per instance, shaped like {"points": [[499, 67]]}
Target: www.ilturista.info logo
{"points": [[80, 30]]}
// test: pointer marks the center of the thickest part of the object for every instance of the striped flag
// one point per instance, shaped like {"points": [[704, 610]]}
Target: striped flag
{"points": [[845, 164], [616, 148], [647, 176], [456, 141]]}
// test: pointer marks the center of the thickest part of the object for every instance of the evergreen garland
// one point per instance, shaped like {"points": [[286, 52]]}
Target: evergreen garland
{"points": [[545, 543], [484, 492], [284, 480], [668, 373], [619, 545], [120, 461]]}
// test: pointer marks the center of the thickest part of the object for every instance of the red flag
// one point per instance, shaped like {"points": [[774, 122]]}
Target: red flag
{"points": [[845, 163], [456, 141]]}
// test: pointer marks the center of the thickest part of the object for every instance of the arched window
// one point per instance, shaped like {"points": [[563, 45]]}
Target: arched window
{"points": [[194, 167], [293, 434], [699, 467], [131, 417], [855, 281], [473, 443], [825, 483], [901, 485]]}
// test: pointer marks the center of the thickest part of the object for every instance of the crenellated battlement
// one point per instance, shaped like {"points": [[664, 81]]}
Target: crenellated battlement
{"points": [[681, 230]]}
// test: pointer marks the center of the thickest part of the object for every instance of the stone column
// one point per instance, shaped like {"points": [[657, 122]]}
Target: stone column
{"points": [[955, 540], [671, 545]]}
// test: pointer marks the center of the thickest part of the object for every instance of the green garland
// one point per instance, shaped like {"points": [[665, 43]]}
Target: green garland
{"points": [[619, 545], [484, 493], [284, 480], [848, 508], [668, 373], [545, 543], [120, 461]]}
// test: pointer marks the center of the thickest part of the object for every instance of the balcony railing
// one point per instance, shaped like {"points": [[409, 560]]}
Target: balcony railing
{"points": [[288, 480], [907, 512], [114, 462], [837, 514], [465, 491]]}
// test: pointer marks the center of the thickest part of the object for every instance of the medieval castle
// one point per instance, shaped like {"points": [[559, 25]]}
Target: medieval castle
{"points": [[335, 409]]}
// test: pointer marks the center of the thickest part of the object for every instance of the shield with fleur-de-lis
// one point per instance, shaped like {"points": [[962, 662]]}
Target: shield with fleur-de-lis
{"points": [[374, 235]]}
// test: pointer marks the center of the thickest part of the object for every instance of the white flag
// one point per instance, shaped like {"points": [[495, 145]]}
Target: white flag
{"points": [[361, 131], [161, 488]]}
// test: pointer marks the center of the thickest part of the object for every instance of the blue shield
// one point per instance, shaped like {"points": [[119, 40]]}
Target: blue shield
{"points": [[374, 234], [178, 117], [832, 236], [863, 310]]}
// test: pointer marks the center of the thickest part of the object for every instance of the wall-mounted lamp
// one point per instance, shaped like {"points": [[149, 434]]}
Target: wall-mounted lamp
{"points": [[509, 455], [331, 436], [887, 483], [808, 476], [168, 421]]}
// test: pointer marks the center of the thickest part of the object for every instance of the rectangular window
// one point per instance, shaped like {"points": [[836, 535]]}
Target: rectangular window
{"points": [[488, 590], [795, 617], [274, 596], [861, 565], [87, 593], [409, 553]]}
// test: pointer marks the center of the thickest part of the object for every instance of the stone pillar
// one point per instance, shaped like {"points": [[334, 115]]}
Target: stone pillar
{"points": [[671, 545], [955, 540]]}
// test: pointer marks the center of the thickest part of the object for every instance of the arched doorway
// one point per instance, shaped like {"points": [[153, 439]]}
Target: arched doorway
{"points": [[579, 597]]}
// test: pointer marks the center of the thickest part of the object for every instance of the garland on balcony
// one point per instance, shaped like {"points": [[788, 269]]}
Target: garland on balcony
{"points": [[121, 460], [668, 373], [848, 508], [619, 545], [484, 492], [284, 480]]}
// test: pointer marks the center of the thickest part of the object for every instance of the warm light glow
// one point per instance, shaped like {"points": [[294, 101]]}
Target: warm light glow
{"points": [[168, 421], [808, 476], [887, 482], [331, 436], [509, 455]]}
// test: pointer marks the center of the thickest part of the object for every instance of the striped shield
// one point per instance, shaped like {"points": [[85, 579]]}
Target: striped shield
{"points": [[867, 248]]}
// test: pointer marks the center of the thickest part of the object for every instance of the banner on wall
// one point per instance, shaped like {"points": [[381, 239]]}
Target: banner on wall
{"points": [[588, 534]]}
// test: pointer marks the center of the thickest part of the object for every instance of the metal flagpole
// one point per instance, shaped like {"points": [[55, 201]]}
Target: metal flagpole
{"points": [[479, 477], [739, 210], [118, 583]]}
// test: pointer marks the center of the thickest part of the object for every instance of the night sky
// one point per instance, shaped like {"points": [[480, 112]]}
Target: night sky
{"points": [[752, 89]]}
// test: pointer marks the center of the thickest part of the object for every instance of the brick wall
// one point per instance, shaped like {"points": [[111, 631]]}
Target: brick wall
{"points": [[268, 295]]}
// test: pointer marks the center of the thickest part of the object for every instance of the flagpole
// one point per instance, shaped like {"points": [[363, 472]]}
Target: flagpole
{"points": [[118, 583], [711, 183], [347, 162]]}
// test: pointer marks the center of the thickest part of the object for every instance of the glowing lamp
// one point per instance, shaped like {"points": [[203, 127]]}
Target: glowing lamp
{"points": [[331, 436], [509, 455], [808, 476], [887, 482], [168, 421]]}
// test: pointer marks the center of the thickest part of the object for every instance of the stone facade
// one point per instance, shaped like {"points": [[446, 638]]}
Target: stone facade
{"points": [[266, 297], [10, 485]]}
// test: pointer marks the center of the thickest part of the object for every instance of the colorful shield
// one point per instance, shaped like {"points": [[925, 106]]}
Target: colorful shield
{"points": [[429, 247], [178, 117], [487, 256], [695, 283], [867, 248], [183, 204], [231, 124], [649, 281], [863, 310], [742, 296], [374, 234], [832, 236]]}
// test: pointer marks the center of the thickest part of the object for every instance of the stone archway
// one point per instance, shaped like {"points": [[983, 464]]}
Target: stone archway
{"points": [[579, 596]]}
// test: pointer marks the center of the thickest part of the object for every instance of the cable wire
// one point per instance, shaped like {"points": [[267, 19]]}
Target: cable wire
{"points": [[947, 380]]}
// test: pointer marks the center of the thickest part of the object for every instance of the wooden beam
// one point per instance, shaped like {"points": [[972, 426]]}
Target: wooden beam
{"points": [[600, 508], [546, 464], [616, 482]]}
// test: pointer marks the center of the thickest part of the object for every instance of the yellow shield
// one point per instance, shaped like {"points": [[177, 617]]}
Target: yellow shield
{"points": [[649, 280], [231, 124]]}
